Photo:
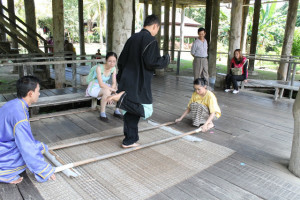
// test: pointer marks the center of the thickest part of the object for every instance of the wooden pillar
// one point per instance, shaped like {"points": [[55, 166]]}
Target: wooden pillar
{"points": [[212, 58], [31, 20], [133, 18], [208, 15], [146, 7], [156, 10], [235, 29], [109, 24], [173, 36], [181, 28], [288, 38], [294, 164], [11, 13], [255, 24], [58, 37], [2, 33], [244, 26], [166, 27], [81, 27], [122, 11]]}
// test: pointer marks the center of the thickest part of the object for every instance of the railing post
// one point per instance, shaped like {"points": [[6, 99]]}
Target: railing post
{"points": [[178, 63]]}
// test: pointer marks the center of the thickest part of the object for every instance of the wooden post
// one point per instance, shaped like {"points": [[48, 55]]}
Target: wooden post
{"points": [[11, 13], [212, 58], [173, 35], [244, 26], [288, 38], [166, 27], [294, 164], [181, 28], [133, 18], [58, 37], [208, 16], [2, 33], [235, 29], [156, 10], [109, 25], [31, 20], [146, 6], [81, 27], [255, 25]]}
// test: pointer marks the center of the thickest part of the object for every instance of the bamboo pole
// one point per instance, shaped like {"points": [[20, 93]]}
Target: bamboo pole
{"points": [[61, 146], [110, 155]]}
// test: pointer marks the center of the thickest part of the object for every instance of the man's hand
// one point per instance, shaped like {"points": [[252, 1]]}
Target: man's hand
{"points": [[178, 120]]}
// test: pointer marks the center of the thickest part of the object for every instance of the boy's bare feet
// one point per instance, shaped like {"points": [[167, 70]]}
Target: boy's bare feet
{"points": [[19, 180], [131, 145], [115, 97]]}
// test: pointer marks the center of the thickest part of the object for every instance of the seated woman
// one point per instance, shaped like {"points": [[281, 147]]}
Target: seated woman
{"points": [[238, 71], [102, 83], [203, 105]]}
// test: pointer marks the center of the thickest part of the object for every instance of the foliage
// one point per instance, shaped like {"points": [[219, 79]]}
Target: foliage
{"points": [[71, 21], [296, 43], [46, 22], [198, 14]]}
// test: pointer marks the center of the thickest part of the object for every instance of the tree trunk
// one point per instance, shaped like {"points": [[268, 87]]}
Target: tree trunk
{"points": [[30, 20], [100, 24], [58, 37], [81, 27], [294, 164], [173, 36], [208, 16], [146, 6], [181, 28], [133, 18], [2, 33], [255, 25], [288, 38], [121, 24], [166, 26], [235, 29], [109, 24], [156, 10], [244, 26], [212, 58]]}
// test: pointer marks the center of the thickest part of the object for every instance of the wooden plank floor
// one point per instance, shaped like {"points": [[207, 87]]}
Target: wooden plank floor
{"points": [[256, 127]]}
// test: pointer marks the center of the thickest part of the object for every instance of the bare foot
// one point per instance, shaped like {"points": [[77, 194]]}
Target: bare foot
{"points": [[19, 180], [210, 125], [115, 97]]}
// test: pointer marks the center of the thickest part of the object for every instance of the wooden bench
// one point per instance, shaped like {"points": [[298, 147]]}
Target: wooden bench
{"points": [[61, 99], [276, 84]]}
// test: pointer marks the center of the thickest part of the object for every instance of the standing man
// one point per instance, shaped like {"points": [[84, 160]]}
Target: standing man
{"points": [[199, 52], [138, 60], [18, 149]]}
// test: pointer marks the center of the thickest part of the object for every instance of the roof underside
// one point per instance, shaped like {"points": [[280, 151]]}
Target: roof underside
{"points": [[188, 2]]}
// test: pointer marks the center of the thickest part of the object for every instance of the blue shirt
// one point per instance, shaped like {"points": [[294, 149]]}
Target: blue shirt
{"points": [[18, 149]]}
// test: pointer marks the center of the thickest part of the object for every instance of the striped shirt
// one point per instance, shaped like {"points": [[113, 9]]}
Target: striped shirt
{"points": [[199, 48]]}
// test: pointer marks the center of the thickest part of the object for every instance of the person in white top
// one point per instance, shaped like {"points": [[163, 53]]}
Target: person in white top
{"points": [[199, 52]]}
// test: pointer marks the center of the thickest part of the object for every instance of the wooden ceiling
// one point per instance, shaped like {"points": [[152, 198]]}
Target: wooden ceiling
{"points": [[188, 2]]}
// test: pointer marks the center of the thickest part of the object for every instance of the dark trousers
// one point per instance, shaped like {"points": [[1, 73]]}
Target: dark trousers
{"points": [[233, 79], [131, 119]]}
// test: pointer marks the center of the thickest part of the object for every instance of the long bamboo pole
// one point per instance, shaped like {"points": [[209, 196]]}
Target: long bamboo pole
{"points": [[61, 146], [110, 155]]}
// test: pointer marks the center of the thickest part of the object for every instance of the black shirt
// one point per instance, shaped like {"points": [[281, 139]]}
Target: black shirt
{"points": [[138, 60]]}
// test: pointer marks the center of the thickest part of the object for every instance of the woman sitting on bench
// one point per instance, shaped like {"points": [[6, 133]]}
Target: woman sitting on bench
{"points": [[102, 83], [238, 71]]}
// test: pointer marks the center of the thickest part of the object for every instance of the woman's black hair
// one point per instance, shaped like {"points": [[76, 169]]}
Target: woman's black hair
{"points": [[109, 54], [26, 84], [200, 81]]}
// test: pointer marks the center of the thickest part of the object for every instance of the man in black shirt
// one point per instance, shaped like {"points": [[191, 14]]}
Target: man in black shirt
{"points": [[138, 60]]}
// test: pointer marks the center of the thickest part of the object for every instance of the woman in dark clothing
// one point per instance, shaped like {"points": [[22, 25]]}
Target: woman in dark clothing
{"points": [[238, 71]]}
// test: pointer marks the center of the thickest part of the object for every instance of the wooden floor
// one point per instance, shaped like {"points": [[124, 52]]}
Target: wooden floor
{"points": [[256, 127]]}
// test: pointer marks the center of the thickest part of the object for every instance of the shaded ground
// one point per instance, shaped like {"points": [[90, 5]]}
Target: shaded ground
{"points": [[7, 80]]}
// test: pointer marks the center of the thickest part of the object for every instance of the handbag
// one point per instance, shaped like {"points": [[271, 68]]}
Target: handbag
{"points": [[236, 71]]}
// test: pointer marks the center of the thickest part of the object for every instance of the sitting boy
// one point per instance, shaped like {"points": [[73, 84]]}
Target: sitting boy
{"points": [[18, 149]]}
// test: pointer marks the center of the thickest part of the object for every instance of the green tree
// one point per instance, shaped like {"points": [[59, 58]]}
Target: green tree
{"points": [[296, 43]]}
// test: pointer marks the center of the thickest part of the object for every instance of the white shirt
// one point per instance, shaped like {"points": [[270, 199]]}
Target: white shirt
{"points": [[199, 48]]}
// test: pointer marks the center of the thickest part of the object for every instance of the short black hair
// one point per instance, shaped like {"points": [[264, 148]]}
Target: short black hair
{"points": [[151, 19], [26, 84], [200, 81], [109, 54], [201, 29]]}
